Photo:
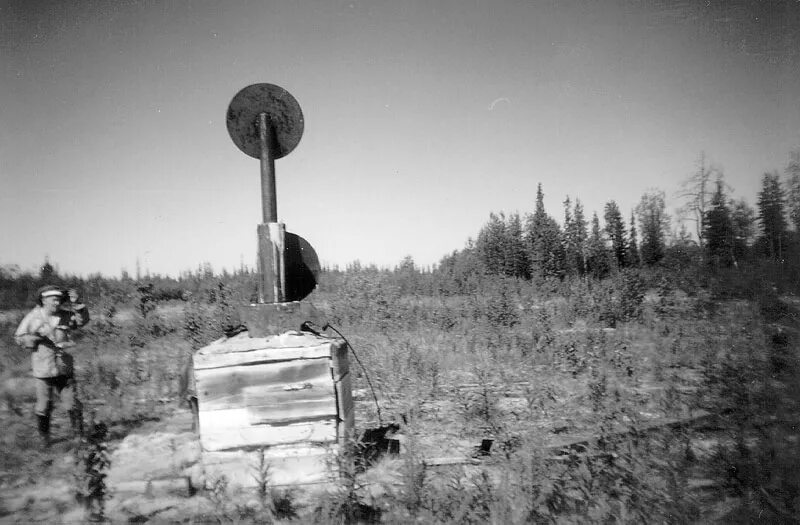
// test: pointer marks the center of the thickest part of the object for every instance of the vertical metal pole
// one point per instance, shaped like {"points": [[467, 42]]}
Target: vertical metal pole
{"points": [[268, 200], [271, 284]]}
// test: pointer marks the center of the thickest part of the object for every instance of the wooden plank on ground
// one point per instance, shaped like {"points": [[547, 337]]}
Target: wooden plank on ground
{"points": [[571, 442], [450, 460]]}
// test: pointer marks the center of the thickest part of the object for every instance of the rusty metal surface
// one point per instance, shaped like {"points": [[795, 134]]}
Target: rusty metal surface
{"points": [[283, 113]]}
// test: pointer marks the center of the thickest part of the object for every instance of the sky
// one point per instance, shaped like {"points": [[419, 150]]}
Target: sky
{"points": [[421, 118]]}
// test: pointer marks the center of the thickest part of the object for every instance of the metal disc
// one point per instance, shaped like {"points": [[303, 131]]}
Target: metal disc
{"points": [[302, 267], [282, 110]]}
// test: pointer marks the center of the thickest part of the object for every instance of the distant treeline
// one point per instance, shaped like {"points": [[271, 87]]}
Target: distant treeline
{"points": [[727, 233]]}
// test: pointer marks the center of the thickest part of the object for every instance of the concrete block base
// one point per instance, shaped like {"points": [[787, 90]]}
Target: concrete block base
{"points": [[267, 319]]}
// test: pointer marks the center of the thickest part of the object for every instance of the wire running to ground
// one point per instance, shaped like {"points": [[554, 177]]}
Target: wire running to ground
{"points": [[363, 368]]}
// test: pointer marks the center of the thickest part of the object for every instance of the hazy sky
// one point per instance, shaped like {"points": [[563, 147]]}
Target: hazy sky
{"points": [[420, 118]]}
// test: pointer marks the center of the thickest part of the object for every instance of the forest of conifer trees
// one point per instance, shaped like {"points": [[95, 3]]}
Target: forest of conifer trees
{"points": [[729, 232], [723, 231]]}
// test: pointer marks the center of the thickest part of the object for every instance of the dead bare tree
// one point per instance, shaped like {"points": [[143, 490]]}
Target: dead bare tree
{"points": [[697, 190]]}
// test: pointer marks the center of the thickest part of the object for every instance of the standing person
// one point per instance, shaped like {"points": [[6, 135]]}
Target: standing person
{"points": [[45, 331]]}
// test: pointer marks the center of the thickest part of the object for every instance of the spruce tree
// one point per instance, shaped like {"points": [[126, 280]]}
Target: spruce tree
{"points": [[718, 233], [543, 241], [491, 245], [517, 264], [615, 229], [571, 254], [793, 196], [743, 220], [771, 216], [459, 272], [632, 254], [580, 235], [534, 226], [553, 264], [501, 248], [597, 257], [654, 225], [48, 273]]}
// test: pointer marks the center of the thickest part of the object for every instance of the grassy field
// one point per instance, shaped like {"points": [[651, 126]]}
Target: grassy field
{"points": [[640, 398]]}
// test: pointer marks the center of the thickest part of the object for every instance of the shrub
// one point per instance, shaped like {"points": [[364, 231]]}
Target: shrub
{"points": [[92, 464]]}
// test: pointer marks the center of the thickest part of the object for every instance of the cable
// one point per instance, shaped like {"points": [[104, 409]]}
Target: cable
{"points": [[366, 375]]}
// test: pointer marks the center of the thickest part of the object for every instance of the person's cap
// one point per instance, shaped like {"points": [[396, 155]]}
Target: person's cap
{"points": [[50, 290]]}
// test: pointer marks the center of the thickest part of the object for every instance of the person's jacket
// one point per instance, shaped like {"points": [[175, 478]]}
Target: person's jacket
{"points": [[55, 330]]}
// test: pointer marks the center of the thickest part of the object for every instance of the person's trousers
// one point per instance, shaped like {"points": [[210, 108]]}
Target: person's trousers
{"points": [[47, 387]]}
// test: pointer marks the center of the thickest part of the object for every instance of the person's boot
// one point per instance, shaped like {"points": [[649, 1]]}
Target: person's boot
{"points": [[43, 424], [76, 422]]}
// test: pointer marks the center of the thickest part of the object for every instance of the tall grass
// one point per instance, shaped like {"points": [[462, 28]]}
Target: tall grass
{"points": [[527, 365]]}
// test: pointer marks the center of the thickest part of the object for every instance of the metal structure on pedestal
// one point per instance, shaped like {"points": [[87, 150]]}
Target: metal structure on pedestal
{"points": [[266, 122], [276, 389]]}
